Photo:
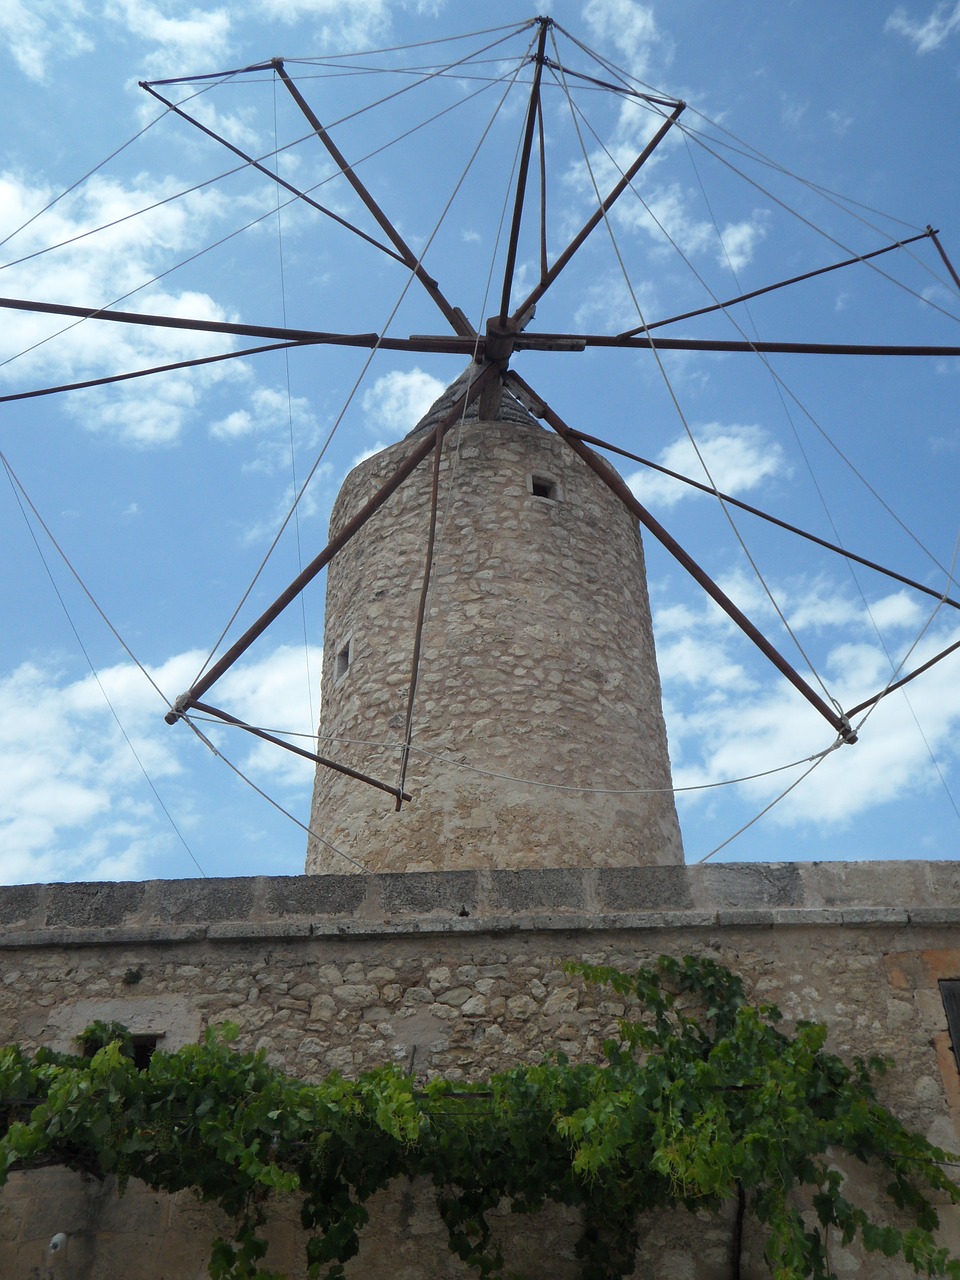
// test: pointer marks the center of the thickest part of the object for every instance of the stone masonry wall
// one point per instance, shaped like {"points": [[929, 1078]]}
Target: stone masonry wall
{"points": [[537, 730], [459, 973]]}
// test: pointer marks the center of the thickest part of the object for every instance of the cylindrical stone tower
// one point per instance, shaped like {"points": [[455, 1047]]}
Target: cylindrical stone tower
{"points": [[538, 736]]}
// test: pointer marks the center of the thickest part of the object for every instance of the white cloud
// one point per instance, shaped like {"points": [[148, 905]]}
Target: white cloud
{"points": [[355, 23], [664, 212], [739, 239], [739, 458], [610, 306], [627, 26], [277, 692], [397, 401], [929, 33], [746, 720], [73, 800], [200, 35], [40, 30], [272, 414], [93, 270]]}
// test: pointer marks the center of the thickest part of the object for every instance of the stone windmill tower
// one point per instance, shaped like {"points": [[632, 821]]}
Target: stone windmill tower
{"points": [[527, 725], [489, 661]]}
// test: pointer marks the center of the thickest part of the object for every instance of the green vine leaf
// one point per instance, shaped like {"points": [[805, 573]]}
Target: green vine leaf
{"points": [[702, 1099]]}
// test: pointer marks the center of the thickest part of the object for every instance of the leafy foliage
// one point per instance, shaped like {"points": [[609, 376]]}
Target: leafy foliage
{"points": [[701, 1099]]}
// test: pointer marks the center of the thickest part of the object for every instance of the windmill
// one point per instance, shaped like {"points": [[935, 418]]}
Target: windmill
{"points": [[496, 343]]}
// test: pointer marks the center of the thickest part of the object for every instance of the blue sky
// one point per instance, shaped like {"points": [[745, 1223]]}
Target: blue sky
{"points": [[813, 133]]}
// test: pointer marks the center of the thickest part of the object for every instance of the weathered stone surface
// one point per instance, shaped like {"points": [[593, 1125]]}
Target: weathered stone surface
{"points": [[643, 888], [308, 896], [552, 888], [92, 904], [753, 884], [538, 732], [452, 893], [465, 1004]]}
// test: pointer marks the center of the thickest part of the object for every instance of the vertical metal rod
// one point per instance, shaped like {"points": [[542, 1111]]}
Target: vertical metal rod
{"points": [[544, 268], [421, 616], [946, 261], [456, 319], [618, 486], [410, 462], [592, 221], [533, 108]]}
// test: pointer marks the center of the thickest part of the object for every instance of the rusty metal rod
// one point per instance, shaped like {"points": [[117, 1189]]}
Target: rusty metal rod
{"points": [[780, 284], [300, 751], [216, 75], [898, 684], [466, 344], [617, 485], [262, 168], [942, 252], [544, 265], [765, 515], [353, 526], [454, 316], [144, 373], [533, 107], [421, 616], [530, 341], [590, 224], [198, 326]]}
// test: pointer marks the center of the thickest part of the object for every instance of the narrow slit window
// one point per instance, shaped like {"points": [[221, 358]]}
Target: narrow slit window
{"points": [[544, 487], [950, 995], [343, 660]]}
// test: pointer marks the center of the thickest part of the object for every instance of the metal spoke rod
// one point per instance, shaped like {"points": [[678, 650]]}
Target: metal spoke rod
{"points": [[227, 718], [618, 486], [352, 527]]}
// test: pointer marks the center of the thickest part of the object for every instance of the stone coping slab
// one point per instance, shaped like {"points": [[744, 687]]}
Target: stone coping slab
{"points": [[732, 894]]}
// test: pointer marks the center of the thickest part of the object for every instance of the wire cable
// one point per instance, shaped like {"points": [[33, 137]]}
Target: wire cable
{"points": [[508, 777], [818, 760], [382, 330], [671, 391], [293, 450], [15, 486], [82, 585], [269, 799]]}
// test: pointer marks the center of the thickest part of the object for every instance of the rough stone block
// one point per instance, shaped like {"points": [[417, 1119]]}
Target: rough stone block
{"points": [[643, 888], [20, 903], [425, 892], [751, 884], [875, 915], [92, 905], [311, 895], [231, 898], [529, 891]]}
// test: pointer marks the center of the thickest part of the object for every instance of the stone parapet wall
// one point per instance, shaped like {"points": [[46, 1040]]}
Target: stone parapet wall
{"points": [[814, 893], [460, 973]]}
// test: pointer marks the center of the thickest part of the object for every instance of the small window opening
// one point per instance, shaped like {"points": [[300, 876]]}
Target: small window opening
{"points": [[143, 1050], [343, 660], [140, 1046], [543, 487], [950, 995]]}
